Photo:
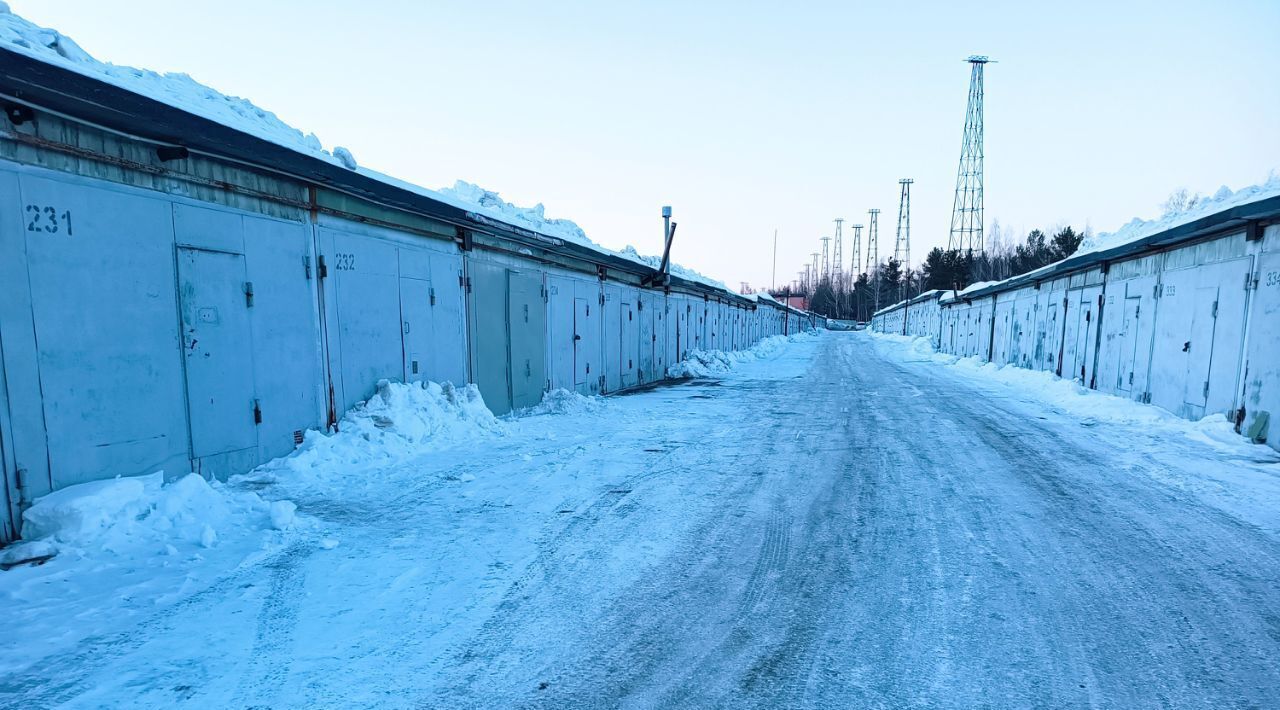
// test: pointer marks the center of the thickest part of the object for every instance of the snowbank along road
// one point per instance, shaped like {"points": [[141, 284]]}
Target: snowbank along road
{"points": [[839, 525]]}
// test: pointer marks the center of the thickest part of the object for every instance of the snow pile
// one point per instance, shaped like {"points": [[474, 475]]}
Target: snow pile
{"points": [[1068, 396], [399, 421], [531, 218], [654, 262], [563, 401], [121, 515], [178, 90], [103, 554], [977, 286], [1223, 199], [716, 363]]}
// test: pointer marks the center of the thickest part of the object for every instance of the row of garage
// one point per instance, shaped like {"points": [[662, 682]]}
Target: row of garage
{"points": [[199, 307], [1187, 319]]}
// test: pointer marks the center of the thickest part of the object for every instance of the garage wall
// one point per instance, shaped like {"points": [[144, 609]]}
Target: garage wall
{"points": [[1190, 329], [142, 330]]}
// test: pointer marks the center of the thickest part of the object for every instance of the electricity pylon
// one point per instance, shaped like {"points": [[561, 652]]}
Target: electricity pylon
{"points": [[857, 250], [872, 237], [902, 245], [966, 214]]}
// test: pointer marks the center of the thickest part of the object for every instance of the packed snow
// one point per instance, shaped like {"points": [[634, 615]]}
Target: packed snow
{"points": [[122, 548], [399, 421], [1245, 479], [751, 539]]}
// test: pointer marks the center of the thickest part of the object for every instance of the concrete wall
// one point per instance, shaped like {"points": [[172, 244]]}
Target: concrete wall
{"points": [[1192, 329]]}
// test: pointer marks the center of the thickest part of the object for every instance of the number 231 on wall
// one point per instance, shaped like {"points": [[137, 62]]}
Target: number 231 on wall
{"points": [[48, 219]]}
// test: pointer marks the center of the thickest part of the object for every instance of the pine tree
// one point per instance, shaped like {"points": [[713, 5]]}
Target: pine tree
{"points": [[1065, 243]]}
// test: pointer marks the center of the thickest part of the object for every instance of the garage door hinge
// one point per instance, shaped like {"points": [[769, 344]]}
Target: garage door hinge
{"points": [[306, 266], [1206, 389], [248, 294], [431, 293], [1215, 309], [257, 412]]}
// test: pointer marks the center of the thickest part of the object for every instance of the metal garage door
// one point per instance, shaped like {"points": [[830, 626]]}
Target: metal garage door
{"points": [[489, 334], [645, 342], [366, 344], [583, 352], [527, 318], [1204, 316], [628, 344], [214, 299], [1127, 343], [416, 298]]}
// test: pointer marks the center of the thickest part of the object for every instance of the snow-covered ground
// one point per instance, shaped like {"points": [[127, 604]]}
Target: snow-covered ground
{"points": [[1229, 472], [837, 521], [126, 548]]}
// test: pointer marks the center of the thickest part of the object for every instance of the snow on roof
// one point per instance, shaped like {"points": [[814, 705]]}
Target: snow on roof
{"points": [[187, 94], [1138, 229], [177, 90], [1221, 200]]}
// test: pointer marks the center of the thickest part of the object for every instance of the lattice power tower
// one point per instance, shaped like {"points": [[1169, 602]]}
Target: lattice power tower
{"points": [[872, 237], [902, 245], [966, 215], [826, 259], [837, 252], [857, 251]]}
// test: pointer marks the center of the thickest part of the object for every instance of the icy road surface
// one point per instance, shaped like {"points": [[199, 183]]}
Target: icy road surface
{"points": [[839, 526]]}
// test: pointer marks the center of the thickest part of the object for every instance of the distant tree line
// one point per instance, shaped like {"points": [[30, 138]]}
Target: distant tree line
{"points": [[857, 297], [955, 269]]}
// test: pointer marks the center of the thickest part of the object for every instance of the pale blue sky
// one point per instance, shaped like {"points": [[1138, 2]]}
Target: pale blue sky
{"points": [[745, 116]]}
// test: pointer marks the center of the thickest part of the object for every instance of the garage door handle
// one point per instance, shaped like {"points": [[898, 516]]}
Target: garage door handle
{"points": [[577, 337]]}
